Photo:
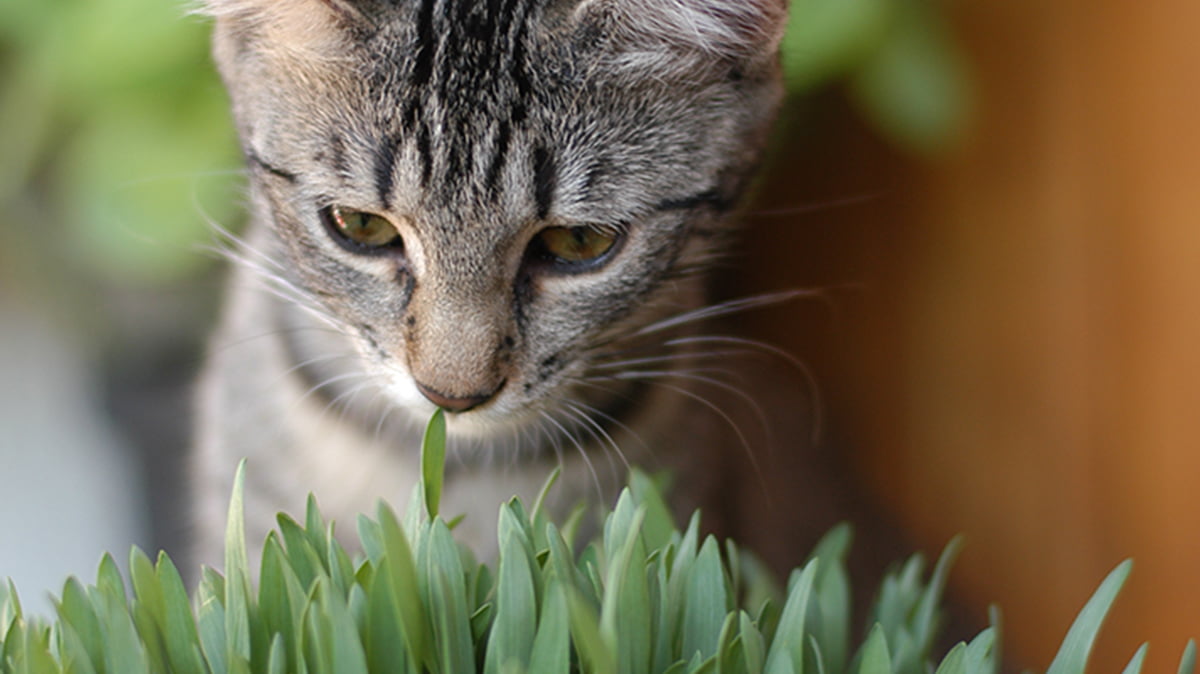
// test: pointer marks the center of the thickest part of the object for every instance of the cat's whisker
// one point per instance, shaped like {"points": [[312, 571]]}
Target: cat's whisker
{"points": [[612, 420], [587, 460], [604, 437], [810, 379], [678, 357], [742, 440], [230, 243], [697, 376], [328, 381]]}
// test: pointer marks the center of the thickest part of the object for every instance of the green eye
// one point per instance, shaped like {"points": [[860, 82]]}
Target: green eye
{"points": [[577, 245], [364, 229]]}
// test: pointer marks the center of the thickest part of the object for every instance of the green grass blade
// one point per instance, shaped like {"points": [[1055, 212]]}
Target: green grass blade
{"points": [[237, 575], [515, 625], [77, 610], [955, 661], [179, 624], [346, 653], [585, 632], [277, 657], [124, 652], [1139, 659], [552, 645], [875, 658], [211, 624], [1187, 664], [787, 650], [444, 595], [433, 461], [403, 584], [625, 612], [981, 652], [831, 593], [659, 524], [1073, 655], [707, 603]]}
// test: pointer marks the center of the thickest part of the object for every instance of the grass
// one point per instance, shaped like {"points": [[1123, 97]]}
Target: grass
{"points": [[643, 597]]}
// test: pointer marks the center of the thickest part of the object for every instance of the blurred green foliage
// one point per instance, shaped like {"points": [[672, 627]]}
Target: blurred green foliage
{"points": [[117, 144], [117, 147], [897, 58]]}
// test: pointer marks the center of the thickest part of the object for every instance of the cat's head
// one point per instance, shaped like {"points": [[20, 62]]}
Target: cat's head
{"points": [[494, 198]]}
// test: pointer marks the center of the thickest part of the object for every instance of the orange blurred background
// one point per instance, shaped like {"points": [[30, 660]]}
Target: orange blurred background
{"points": [[1016, 355]]}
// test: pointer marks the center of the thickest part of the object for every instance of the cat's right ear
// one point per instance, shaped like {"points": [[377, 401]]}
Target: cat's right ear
{"points": [[739, 30]]}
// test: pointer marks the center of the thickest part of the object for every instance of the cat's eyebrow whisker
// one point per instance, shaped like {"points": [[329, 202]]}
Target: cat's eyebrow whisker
{"points": [[815, 207], [724, 309]]}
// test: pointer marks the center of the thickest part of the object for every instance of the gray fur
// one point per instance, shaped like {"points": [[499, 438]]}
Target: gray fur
{"points": [[472, 125]]}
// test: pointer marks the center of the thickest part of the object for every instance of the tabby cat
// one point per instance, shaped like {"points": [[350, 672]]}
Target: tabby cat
{"points": [[503, 208]]}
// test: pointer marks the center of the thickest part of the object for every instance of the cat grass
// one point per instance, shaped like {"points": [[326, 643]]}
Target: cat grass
{"points": [[642, 597]]}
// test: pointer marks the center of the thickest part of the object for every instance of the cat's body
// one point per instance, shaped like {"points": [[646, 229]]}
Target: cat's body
{"points": [[501, 207]]}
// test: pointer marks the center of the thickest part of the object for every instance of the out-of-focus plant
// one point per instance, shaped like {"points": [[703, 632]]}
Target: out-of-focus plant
{"points": [[897, 59], [117, 144]]}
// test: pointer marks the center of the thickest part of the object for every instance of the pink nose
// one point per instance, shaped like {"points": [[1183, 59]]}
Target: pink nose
{"points": [[456, 404]]}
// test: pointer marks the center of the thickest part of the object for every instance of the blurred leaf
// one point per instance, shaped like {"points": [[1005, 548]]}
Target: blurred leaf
{"points": [[1073, 655], [826, 38], [913, 86], [1187, 664], [874, 658]]}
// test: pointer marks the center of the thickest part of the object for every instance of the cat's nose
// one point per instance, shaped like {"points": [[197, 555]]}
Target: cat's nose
{"points": [[455, 403]]}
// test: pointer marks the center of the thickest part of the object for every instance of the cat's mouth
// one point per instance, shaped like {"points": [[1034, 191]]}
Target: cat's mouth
{"points": [[459, 403]]}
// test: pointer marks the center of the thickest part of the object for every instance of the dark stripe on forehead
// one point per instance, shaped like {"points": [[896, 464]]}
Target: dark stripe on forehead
{"points": [[545, 180], [385, 169], [426, 44], [503, 137], [425, 153]]}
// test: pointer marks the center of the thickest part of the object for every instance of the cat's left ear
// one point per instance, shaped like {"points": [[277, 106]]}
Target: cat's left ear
{"points": [[313, 30], [745, 30]]}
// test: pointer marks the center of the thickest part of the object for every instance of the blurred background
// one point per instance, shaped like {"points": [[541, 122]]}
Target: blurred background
{"points": [[999, 198]]}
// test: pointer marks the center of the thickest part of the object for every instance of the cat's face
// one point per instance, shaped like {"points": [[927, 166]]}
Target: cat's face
{"points": [[493, 199]]}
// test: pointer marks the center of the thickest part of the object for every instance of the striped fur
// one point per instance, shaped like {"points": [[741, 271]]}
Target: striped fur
{"points": [[472, 124]]}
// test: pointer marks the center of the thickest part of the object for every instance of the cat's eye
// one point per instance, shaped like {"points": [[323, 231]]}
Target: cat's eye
{"points": [[575, 246], [362, 230]]}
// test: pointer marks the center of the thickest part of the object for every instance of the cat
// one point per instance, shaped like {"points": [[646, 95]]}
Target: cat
{"points": [[503, 208]]}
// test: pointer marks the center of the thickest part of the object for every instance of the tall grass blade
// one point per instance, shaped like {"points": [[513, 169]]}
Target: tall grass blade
{"points": [[1073, 655], [433, 461]]}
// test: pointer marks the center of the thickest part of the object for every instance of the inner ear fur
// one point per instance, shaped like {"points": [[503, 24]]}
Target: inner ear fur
{"points": [[313, 29]]}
